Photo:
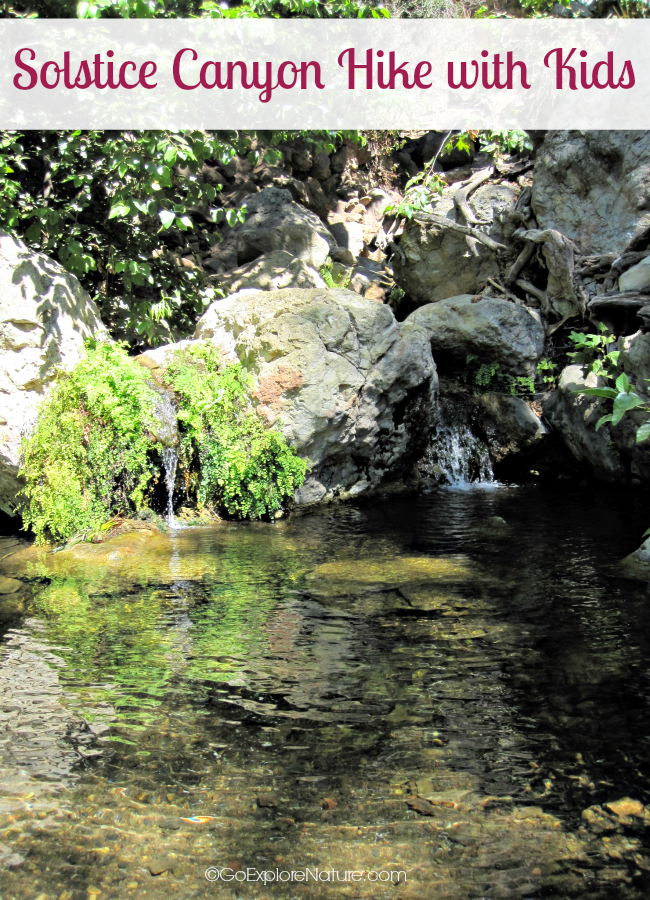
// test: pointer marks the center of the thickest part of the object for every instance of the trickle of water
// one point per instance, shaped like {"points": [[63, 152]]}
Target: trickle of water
{"points": [[170, 460], [457, 458], [167, 431]]}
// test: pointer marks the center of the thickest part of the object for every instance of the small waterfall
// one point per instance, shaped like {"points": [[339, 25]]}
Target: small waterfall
{"points": [[167, 434], [170, 460], [463, 459], [457, 458]]}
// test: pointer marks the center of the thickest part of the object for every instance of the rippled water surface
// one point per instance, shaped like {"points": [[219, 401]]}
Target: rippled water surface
{"points": [[399, 686]]}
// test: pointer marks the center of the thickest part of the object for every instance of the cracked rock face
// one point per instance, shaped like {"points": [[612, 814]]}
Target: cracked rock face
{"points": [[45, 315], [594, 187], [349, 386]]}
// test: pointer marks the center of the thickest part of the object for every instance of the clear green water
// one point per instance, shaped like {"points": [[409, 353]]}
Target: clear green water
{"points": [[275, 697]]}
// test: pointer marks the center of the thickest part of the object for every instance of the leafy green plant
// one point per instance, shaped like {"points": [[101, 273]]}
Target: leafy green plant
{"points": [[229, 457], [496, 143], [491, 377], [419, 193], [88, 457], [545, 368], [624, 399], [594, 352]]}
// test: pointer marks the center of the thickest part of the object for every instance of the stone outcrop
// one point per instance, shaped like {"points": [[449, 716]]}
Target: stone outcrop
{"points": [[272, 272], [490, 330], [45, 315], [437, 262], [575, 416], [350, 388], [594, 187], [275, 222]]}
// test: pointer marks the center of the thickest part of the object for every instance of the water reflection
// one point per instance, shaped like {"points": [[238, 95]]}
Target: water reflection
{"points": [[441, 685]]}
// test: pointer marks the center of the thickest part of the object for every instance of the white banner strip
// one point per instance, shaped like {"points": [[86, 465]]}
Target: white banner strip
{"points": [[293, 74]]}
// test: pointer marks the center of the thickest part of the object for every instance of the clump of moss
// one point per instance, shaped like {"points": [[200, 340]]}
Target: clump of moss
{"points": [[88, 457], [231, 460], [93, 452]]}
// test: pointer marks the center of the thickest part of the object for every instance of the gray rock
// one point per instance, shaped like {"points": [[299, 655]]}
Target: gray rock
{"points": [[508, 425], [636, 278], [491, 330], [594, 187], [45, 315], [275, 222], [348, 235], [321, 167], [438, 261], [637, 564], [272, 272], [574, 417], [349, 387]]}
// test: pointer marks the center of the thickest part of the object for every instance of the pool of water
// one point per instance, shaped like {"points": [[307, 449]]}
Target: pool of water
{"points": [[410, 690]]}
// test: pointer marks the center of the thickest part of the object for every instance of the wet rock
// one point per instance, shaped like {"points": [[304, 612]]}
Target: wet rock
{"points": [[9, 585], [158, 866], [272, 272], [593, 187], [268, 801], [45, 316], [575, 416], [491, 330], [350, 386], [275, 222], [597, 820], [637, 564], [423, 807], [173, 823], [437, 261], [626, 807], [9, 859], [342, 576]]}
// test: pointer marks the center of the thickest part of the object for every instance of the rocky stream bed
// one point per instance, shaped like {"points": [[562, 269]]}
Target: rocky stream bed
{"points": [[452, 686]]}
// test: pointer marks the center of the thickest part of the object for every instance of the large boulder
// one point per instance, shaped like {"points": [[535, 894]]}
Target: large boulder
{"points": [[438, 263], [275, 222], [594, 187], [272, 272], [575, 416], [45, 315], [490, 330], [349, 387]]}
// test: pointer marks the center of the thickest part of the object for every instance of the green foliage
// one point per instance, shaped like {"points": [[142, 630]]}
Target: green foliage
{"points": [[545, 370], [490, 377], [419, 193], [624, 399], [88, 456], [229, 457], [122, 212], [109, 201], [594, 352], [326, 274], [496, 143]]}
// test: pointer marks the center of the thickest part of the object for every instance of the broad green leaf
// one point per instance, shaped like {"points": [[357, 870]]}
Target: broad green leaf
{"points": [[623, 403], [603, 420], [622, 384], [166, 217], [610, 393], [643, 432], [118, 210]]}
